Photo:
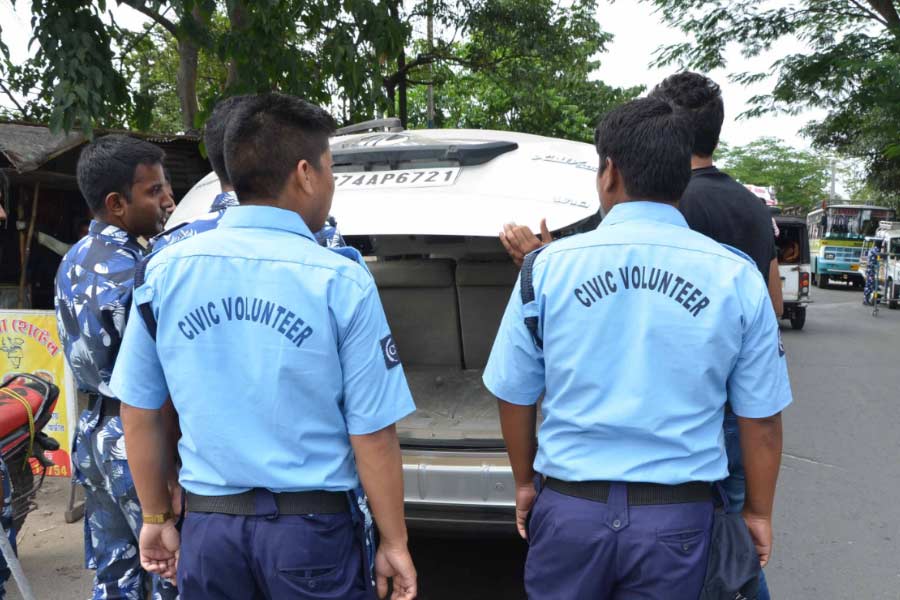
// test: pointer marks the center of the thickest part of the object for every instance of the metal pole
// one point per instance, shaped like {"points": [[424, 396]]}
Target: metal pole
{"points": [[12, 561], [431, 65], [831, 197], [26, 248]]}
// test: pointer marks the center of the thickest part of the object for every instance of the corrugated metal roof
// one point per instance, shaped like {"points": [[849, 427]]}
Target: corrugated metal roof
{"points": [[27, 146]]}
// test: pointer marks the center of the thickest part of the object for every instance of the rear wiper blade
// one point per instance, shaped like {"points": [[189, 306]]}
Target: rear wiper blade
{"points": [[463, 154]]}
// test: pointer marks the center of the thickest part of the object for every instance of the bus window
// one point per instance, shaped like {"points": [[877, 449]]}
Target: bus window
{"points": [[869, 224]]}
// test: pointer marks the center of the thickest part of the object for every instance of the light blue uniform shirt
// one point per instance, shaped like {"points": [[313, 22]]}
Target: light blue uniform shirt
{"points": [[648, 327], [274, 350]]}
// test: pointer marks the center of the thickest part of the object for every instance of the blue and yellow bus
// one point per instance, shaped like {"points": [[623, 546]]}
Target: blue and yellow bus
{"points": [[836, 235]]}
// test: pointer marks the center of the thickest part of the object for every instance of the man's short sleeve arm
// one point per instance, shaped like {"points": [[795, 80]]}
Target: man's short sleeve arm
{"points": [[376, 394], [759, 385], [515, 369], [138, 379]]}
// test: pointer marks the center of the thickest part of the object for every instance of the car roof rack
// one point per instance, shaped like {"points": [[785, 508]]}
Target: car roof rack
{"points": [[391, 124], [464, 154]]}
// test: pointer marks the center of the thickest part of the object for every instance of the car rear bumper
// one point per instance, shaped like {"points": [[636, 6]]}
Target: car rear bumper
{"points": [[795, 303], [459, 490]]}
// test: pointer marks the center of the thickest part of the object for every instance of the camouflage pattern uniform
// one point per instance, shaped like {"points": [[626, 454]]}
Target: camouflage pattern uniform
{"points": [[93, 294], [871, 270], [328, 236]]}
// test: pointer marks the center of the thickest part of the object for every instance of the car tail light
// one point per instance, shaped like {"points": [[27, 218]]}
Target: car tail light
{"points": [[804, 284]]}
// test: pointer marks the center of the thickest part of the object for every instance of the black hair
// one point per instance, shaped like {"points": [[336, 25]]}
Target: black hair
{"points": [[267, 136], [701, 98], [79, 224], [650, 144], [214, 135], [107, 165]]}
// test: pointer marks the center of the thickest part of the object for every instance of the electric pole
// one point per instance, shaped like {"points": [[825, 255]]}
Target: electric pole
{"points": [[431, 64]]}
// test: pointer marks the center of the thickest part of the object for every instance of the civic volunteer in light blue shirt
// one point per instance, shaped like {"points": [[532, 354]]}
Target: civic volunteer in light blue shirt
{"points": [[640, 338], [310, 348], [281, 366], [640, 331]]}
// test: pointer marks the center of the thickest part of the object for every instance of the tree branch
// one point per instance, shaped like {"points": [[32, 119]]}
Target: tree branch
{"points": [[426, 59], [11, 97], [887, 10], [140, 38], [157, 17], [868, 13]]}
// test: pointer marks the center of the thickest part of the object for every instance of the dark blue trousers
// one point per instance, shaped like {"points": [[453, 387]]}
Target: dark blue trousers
{"points": [[302, 557], [585, 550]]}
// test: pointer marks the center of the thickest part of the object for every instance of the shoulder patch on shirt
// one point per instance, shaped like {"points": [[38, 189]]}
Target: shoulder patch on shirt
{"points": [[389, 349]]}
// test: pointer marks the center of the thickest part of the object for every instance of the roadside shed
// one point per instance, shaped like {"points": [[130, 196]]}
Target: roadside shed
{"points": [[45, 212]]}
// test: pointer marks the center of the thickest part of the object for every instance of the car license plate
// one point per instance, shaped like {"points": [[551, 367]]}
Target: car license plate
{"points": [[407, 178]]}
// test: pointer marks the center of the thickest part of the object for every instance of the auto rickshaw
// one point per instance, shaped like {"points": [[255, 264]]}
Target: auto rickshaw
{"points": [[792, 242]]}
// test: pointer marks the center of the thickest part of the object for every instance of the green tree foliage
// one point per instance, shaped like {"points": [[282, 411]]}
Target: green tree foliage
{"points": [[799, 177], [516, 64], [88, 69], [851, 68], [152, 68], [525, 66], [72, 71]]}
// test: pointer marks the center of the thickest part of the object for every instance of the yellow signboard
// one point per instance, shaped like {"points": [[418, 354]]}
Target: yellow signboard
{"points": [[29, 343]]}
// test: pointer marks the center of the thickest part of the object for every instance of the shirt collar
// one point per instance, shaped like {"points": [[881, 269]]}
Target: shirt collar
{"points": [[265, 217], [643, 210], [112, 233], [224, 200], [710, 170]]}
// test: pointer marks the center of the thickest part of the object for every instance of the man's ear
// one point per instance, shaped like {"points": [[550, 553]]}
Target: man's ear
{"points": [[610, 177], [114, 203], [302, 173]]}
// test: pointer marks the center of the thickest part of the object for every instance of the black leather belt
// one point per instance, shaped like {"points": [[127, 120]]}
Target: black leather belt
{"points": [[288, 503], [639, 494]]}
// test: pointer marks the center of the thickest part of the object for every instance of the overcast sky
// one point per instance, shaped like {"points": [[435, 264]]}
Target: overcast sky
{"points": [[638, 32]]}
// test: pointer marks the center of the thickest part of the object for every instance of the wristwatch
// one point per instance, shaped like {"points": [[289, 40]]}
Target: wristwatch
{"points": [[158, 518]]}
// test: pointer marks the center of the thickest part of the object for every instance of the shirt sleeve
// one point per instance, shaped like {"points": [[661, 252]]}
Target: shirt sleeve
{"points": [[515, 369], [759, 385], [376, 394], [138, 379]]}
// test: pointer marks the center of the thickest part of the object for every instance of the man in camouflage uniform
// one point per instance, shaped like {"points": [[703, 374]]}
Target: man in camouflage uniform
{"points": [[123, 183], [872, 258]]}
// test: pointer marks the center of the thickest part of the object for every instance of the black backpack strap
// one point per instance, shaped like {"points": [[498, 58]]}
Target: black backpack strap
{"points": [[527, 291], [144, 308]]}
